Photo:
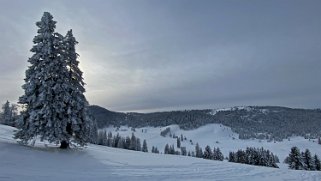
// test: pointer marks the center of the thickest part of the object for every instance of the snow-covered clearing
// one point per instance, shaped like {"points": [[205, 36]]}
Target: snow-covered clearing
{"points": [[94, 162]]}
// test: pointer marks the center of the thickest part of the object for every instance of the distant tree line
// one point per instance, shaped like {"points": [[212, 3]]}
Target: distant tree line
{"points": [[302, 160], [254, 156], [216, 154], [262, 122]]}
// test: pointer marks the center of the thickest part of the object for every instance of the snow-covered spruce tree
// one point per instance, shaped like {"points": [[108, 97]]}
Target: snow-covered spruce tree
{"points": [[308, 160], [208, 154], [198, 151], [166, 149], [133, 140], [145, 149], [79, 120], [317, 163], [183, 151], [138, 145], [219, 154], [178, 143], [49, 93], [294, 159]]}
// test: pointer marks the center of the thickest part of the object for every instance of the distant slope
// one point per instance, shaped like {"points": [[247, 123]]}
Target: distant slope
{"points": [[269, 122]]}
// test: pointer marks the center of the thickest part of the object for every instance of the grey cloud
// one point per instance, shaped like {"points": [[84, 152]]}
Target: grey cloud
{"points": [[158, 55]]}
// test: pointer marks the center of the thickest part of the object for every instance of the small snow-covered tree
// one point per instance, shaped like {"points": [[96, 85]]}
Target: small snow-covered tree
{"points": [[317, 163], [198, 151], [166, 149], [308, 160], [127, 142], [178, 144], [208, 154], [116, 139], [110, 139], [138, 145], [133, 144], [145, 149], [9, 114], [232, 157], [218, 154], [183, 151], [120, 143], [294, 159], [156, 150]]}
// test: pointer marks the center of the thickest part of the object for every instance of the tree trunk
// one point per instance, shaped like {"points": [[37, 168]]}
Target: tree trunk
{"points": [[64, 144]]}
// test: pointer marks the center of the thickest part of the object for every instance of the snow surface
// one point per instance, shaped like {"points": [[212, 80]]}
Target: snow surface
{"points": [[47, 162]]}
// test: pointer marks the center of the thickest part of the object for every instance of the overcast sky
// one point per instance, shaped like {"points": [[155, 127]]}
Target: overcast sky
{"points": [[146, 55]]}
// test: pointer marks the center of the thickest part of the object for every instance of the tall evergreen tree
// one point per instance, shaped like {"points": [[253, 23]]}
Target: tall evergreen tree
{"points": [[54, 101], [45, 87], [78, 117]]}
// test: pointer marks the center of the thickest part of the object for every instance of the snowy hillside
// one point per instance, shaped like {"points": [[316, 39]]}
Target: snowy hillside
{"points": [[103, 163], [215, 135]]}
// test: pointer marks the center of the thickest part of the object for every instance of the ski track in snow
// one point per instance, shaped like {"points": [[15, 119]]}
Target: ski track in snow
{"points": [[24, 163]]}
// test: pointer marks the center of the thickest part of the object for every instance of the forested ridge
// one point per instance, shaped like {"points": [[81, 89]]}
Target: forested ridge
{"points": [[270, 122]]}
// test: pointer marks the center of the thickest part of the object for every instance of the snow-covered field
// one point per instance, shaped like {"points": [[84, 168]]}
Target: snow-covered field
{"points": [[94, 162], [215, 135]]}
